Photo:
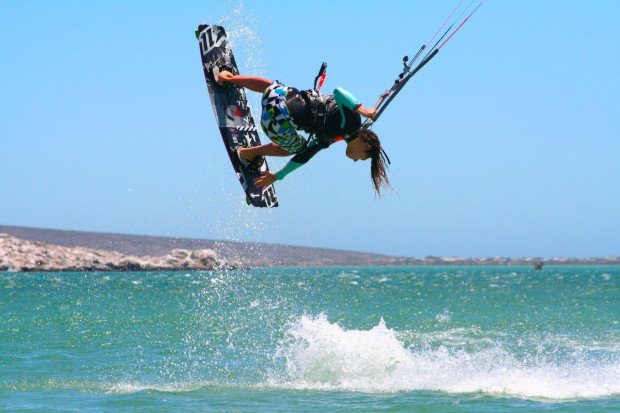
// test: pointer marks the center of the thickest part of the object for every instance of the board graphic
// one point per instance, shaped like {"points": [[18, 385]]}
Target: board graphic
{"points": [[232, 112]]}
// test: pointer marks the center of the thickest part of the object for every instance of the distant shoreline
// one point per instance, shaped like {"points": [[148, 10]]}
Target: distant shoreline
{"points": [[39, 249]]}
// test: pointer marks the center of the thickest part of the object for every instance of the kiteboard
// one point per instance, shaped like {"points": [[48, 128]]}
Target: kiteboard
{"points": [[233, 114]]}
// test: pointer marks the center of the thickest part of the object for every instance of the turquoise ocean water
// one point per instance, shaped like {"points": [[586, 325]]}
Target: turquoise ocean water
{"points": [[433, 339]]}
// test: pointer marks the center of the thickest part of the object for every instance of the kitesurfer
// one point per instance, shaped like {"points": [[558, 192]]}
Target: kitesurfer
{"points": [[327, 118]]}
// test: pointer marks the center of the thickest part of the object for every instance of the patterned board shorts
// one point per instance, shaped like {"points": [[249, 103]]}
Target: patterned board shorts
{"points": [[277, 122]]}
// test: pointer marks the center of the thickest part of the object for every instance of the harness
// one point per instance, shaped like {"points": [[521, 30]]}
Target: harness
{"points": [[319, 106]]}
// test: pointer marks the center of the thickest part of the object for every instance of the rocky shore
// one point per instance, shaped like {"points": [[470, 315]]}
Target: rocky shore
{"points": [[21, 255], [40, 249]]}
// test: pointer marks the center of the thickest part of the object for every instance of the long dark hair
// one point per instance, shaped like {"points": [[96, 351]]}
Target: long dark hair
{"points": [[378, 160]]}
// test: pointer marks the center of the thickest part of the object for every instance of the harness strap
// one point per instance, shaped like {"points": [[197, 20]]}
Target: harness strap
{"points": [[320, 106]]}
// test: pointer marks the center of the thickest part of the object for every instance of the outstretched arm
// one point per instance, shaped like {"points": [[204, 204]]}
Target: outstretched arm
{"points": [[254, 83], [297, 161]]}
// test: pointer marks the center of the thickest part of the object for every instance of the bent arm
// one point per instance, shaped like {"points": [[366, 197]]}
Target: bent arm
{"points": [[254, 83], [345, 98]]}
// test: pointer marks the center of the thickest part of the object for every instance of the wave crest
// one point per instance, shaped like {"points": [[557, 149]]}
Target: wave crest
{"points": [[317, 354]]}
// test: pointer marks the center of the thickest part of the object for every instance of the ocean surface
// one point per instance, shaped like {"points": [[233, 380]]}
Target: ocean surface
{"points": [[431, 339]]}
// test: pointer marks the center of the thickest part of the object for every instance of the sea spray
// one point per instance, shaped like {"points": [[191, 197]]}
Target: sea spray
{"points": [[243, 223], [316, 354], [321, 354]]}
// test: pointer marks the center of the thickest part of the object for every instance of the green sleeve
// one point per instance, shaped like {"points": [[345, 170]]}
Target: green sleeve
{"points": [[288, 168], [345, 98], [312, 148]]}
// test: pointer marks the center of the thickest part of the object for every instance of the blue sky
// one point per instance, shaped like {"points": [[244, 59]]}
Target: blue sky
{"points": [[506, 144]]}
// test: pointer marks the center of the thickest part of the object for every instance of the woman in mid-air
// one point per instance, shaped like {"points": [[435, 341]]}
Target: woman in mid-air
{"points": [[328, 118]]}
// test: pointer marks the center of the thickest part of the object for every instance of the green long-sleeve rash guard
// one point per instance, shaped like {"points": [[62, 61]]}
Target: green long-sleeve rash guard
{"points": [[288, 168], [300, 158], [343, 98]]}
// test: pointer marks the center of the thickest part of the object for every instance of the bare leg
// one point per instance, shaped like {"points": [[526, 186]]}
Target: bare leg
{"points": [[254, 83], [270, 149]]}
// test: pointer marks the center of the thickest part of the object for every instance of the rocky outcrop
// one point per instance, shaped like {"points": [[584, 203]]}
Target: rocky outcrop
{"points": [[21, 255], [143, 252]]}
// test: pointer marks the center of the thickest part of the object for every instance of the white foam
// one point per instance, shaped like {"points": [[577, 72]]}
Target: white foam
{"points": [[317, 354], [444, 317], [134, 387]]}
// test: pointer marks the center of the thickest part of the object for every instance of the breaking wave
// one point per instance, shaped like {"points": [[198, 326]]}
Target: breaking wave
{"points": [[319, 355]]}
